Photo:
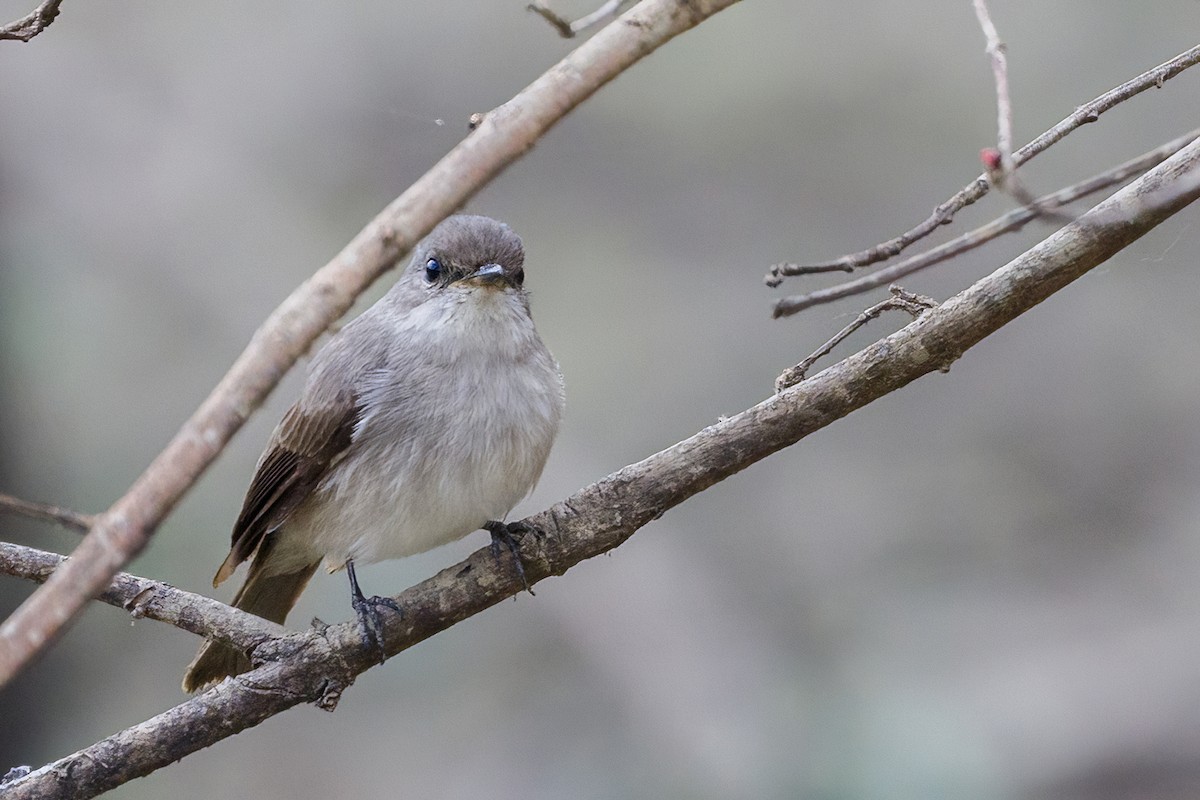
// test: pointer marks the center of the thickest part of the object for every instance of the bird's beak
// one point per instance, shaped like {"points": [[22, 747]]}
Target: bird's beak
{"points": [[490, 275]]}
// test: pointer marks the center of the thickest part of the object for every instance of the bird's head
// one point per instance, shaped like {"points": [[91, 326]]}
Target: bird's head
{"points": [[466, 253]]}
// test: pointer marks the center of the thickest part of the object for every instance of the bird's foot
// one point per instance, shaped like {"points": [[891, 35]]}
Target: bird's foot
{"points": [[367, 609], [370, 623], [502, 536]]}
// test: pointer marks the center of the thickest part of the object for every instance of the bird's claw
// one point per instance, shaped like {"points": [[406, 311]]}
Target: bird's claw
{"points": [[370, 623], [367, 611], [502, 536]]}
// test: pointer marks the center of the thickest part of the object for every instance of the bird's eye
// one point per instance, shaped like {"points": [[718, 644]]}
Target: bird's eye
{"points": [[519, 275], [433, 269]]}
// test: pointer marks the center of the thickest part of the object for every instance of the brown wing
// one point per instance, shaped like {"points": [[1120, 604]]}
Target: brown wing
{"points": [[300, 452]]}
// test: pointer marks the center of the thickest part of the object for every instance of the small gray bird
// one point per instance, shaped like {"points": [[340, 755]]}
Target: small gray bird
{"points": [[426, 418]]}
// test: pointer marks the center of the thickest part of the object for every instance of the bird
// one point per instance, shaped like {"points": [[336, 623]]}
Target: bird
{"points": [[427, 417]]}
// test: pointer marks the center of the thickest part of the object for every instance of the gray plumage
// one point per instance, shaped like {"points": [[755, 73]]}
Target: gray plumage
{"points": [[430, 414]]}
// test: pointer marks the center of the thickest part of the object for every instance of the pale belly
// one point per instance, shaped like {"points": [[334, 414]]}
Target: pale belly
{"points": [[395, 498]]}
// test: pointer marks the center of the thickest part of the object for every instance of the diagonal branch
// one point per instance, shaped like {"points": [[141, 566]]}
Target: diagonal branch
{"points": [[944, 213], [502, 137], [316, 667], [143, 597]]}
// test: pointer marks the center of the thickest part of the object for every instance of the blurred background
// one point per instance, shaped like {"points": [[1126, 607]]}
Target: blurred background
{"points": [[982, 586]]}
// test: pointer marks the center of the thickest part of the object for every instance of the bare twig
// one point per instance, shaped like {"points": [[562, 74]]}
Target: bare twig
{"points": [[1004, 113], [1001, 170], [914, 304], [316, 667], [1012, 221], [567, 28], [944, 213], [63, 516], [33, 23], [143, 597], [505, 134]]}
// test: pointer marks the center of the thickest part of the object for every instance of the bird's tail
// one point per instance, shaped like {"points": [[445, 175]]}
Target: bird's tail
{"points": [[270, 596]]}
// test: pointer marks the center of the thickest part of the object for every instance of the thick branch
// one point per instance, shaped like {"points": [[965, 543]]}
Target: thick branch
{"points": [[503, 136], [318, 666]]}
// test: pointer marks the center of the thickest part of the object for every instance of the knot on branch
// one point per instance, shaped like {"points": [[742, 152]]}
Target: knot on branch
{"points": [[306, 665]]}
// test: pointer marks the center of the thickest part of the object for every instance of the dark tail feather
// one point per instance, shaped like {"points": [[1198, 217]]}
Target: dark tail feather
{"points": [[268, 596]]}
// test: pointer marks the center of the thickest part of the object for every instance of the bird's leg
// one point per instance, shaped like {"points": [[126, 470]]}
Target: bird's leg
{"points": [[502, 534], [367, 609]]}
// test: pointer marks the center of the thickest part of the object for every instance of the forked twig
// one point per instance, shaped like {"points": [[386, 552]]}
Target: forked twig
{"points": [[1012, 221], [944, 213], [998, 52], [568, 28], [914, 304], [1001, 170]]}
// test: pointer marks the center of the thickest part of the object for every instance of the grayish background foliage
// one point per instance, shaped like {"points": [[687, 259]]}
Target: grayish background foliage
{"points": [[984, 586]]}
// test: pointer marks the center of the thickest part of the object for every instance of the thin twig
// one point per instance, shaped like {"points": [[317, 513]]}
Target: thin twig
{"points": [[1001, 170], [567, 28], [1004, 113], [505, 134], [316, 667], [63, 516], [1012, 221], [914, 304], [944, 213], [33, 23]]}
